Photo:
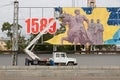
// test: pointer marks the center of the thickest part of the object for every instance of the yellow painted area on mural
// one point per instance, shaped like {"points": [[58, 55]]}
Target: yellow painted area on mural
{"points": [[98, 13], [57, 39]]}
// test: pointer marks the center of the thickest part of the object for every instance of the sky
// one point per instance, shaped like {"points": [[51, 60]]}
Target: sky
{"points": [[6, 9]]}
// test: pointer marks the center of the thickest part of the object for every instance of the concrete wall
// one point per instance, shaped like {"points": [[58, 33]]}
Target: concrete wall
{"points": [[59, 73]]}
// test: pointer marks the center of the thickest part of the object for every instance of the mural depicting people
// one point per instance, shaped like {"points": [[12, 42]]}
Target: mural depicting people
{"points": [[80, 22], [73, 33], [77, 33], [70, 33], [99, 33], [91, 31]]}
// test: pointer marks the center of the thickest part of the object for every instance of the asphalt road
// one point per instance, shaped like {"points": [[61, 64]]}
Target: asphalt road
{"points": [[82, 59]]}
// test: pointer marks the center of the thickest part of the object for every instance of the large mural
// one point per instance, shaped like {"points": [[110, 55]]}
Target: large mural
{"points": [[96, 26], [81, 26]]}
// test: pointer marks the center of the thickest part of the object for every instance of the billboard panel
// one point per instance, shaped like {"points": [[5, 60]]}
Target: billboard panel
{"points": [[79, 26]]}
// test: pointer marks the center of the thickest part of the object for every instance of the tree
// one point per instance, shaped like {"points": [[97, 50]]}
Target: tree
{"points": [[7, 27], [21, 43]]}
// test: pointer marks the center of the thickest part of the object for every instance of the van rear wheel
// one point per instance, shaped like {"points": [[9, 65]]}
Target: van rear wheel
{"points": [[70, 64]]}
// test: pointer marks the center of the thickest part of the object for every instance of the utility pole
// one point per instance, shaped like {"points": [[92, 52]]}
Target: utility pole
{"points": [[15, 33]]}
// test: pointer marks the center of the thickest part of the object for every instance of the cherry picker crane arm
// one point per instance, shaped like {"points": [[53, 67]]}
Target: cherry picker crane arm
{"points": [[56, 15], [29, 52]]}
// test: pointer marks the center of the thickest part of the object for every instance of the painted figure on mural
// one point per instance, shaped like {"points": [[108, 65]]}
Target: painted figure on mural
{"points": [[73, 33], [80, 22], [76, 33], [99, 33], [91, 31]]}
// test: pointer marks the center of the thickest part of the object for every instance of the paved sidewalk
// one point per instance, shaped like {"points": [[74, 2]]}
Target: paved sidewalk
{"points": [[59, 73]]}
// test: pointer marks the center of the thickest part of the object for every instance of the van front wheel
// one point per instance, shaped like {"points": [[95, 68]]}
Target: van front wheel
{"points": [[70, 64]]}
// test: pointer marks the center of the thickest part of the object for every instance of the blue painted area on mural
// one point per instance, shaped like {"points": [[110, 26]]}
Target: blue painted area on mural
{"points": [[117, 35], [88, 10], [59, 9], [115, 39], [112, 9], [114, 17]]}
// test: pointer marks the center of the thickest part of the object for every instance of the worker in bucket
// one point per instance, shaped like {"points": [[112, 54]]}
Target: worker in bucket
{"points": [[52, 63]]}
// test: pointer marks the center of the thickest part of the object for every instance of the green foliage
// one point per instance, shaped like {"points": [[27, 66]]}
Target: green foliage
{"points": [[61, 30], [65, 47], [7, 27], [9, 44], [106, 47], [21, 43], [47, 36], [43, 48]]}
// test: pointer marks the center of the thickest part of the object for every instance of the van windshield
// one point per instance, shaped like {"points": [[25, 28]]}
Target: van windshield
{"points": [[62, 55]]}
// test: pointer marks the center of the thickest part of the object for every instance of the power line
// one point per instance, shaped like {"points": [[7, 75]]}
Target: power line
{"points": [[5, 5]]}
